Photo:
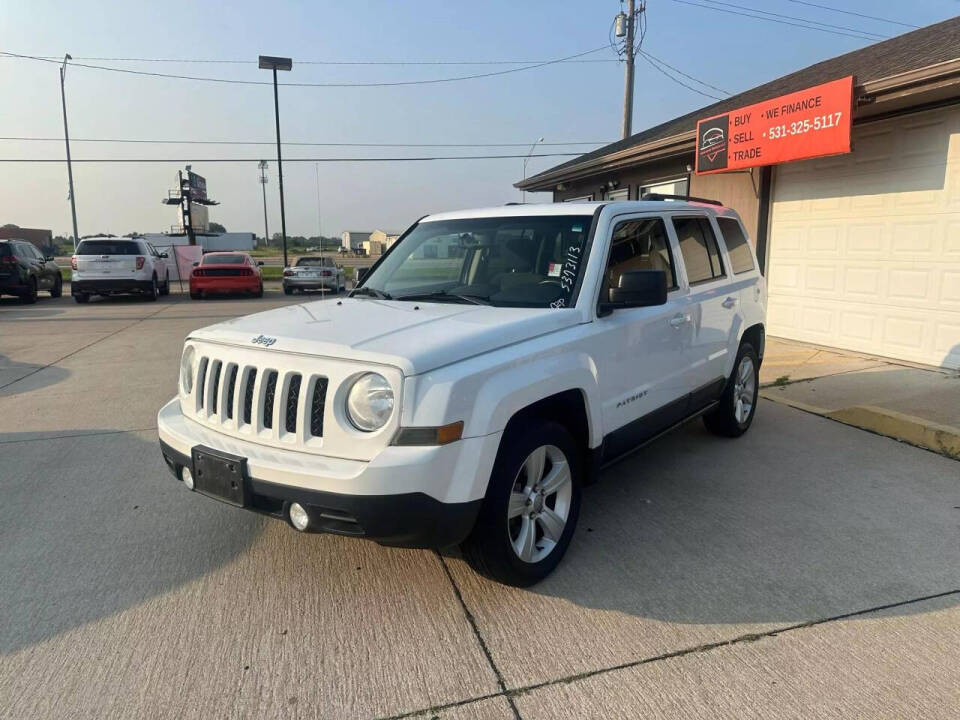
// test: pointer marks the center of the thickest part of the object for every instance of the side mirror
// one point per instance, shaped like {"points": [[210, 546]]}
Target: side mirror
{"points": [[195, 264], [164, 255], [260, 263], [637, 288]]}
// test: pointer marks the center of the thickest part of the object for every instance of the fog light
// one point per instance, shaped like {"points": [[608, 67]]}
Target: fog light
{"points": [[298, 516], [187, 477]]}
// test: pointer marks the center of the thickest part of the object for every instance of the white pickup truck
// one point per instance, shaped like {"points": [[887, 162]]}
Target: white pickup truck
{"points": [[490, 364]]}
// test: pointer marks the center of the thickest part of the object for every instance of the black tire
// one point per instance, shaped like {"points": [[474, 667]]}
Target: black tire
{"points": [[287, 290], [57, 289], [153, 292], [165, 288], [82, 298], [259, 292], [196, 295], [30, 296], [489, 548], [728, 419]]}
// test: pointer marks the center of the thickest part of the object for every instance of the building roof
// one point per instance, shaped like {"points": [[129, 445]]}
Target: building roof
{"points": [[921, 48]]}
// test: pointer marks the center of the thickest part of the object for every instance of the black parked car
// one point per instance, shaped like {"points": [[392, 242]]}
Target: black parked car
{"points": [[24, 270]]}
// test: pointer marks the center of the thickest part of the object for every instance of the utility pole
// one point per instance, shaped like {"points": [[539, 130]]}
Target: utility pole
{"points": [[66, 137], [628, 77], [263, 184], [268, 62]]}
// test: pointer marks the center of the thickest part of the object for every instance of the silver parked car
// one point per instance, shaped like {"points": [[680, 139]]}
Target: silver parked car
{"points": [[314, 273]]}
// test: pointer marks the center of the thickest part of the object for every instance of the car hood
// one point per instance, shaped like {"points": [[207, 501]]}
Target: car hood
{"points": [[414, 336]]}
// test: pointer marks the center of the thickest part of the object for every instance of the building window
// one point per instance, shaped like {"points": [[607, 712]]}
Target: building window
{"points": [[741, 259], [582, 198], [677, 186], [698, 246], [619, 194]]}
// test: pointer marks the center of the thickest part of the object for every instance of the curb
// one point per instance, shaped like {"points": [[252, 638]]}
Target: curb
{"points": [[942, 439]]}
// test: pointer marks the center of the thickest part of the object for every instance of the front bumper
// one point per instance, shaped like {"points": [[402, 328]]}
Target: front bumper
{"points": [[113, 285], [406, 496]]}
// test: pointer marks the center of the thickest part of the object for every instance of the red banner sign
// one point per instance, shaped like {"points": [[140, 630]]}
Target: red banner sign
{"points": [[805, 124]]}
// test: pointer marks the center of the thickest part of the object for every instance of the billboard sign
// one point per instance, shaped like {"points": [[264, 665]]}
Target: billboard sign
{"points": [[198, 186], [805, 124]]}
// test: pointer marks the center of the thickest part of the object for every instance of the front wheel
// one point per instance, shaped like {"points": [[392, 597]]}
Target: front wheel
{"points": [[738, 404], [531, 508], [153, 291], [259, 292], [165, 288]]}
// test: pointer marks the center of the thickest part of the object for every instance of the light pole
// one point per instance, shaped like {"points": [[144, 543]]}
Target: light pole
{"points": [[268, 62], [66, 137], [526, 160], [263, 183]]}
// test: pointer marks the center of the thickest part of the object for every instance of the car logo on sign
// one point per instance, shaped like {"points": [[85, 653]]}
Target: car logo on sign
{"points": [[263, 340], [712, 143]]}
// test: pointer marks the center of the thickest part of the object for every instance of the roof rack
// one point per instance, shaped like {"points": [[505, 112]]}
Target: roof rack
{"points": [[686, 198]]}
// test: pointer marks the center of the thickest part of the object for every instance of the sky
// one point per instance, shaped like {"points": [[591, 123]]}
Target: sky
{"points": [[564, 102]]}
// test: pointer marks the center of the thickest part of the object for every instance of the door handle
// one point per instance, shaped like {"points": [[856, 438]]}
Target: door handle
{"points": [[679, 320], [729, 302]]}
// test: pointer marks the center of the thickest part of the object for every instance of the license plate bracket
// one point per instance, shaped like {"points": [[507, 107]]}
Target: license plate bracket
{"points": [[220, 475]]}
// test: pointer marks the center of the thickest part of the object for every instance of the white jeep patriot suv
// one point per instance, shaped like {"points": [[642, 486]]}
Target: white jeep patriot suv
{"points": [[489, 365]]}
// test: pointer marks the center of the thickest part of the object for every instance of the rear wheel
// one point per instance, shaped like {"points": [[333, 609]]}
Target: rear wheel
{"points": [[165, 288], [57, 289], [194, 295], [738, 404], [531, 508], [153, 291], [287, 290], [81, 298], [30, 294]]}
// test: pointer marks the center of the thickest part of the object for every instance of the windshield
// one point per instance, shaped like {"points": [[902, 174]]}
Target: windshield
{"points": [[108, 247], [223, 260], [313, 262], [526, 261]]}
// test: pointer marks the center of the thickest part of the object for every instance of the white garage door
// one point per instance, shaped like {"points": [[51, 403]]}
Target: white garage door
{"points": [[865, 248]]}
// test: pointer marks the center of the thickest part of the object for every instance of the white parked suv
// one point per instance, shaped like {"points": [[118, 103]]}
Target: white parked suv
{"points": [[491, 363], [118, 266]]}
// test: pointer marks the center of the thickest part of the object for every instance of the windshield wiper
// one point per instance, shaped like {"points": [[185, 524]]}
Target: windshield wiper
{"points": [[372, 292], [473, 299]]}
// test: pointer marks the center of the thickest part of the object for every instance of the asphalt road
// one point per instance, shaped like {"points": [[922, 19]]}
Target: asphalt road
{"points": [[808, 569]]}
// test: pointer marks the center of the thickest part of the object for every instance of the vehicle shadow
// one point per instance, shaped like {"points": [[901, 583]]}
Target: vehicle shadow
{"points": [[18, 377], [800, 519], [94, 524]]}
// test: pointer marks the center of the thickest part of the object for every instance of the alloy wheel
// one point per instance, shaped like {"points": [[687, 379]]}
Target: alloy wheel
{"points": [[744, 390], [540, 503]]}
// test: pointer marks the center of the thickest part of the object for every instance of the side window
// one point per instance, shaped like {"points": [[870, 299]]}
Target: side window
{"points": [[741, 259], [699, 249], [640, 244]]}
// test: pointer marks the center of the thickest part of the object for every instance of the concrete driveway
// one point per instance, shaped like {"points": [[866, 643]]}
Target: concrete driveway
{"points": [[809, 569]]}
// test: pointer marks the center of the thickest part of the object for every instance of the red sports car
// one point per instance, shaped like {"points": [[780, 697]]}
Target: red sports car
{"points": [[226, 272]]}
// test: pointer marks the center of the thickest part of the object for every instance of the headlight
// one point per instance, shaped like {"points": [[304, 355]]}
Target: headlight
{"points": [[186, 369], [370, 402]]}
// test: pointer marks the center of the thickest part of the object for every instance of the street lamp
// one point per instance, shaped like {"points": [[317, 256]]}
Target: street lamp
{"points": [[526, 160], [268, 62], [66, 137], [263, 183]]}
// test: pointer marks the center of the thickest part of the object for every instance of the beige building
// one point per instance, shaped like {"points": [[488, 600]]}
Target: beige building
{"points": [[379, 242], [861, 251]]}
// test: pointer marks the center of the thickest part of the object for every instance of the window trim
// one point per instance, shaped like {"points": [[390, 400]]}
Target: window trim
{"points": [[716, 236]]}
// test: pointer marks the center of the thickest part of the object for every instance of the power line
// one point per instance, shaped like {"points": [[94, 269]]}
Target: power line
{"points": [[800, 19], [773, 20], [304, 84], [317, 62], [681, 72], [850, 12], [650, 62], [292, 143], [257, 160]]}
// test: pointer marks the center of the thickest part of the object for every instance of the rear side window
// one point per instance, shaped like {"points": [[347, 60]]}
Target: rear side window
{"points": [[224, 259], [108, 247], [640, 244], [741, 259], [699, 249]]}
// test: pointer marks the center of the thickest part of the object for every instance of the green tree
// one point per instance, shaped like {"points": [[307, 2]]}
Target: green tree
{"points": [[217, 227]]}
